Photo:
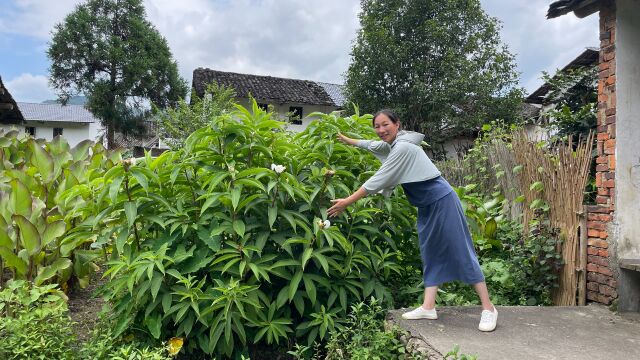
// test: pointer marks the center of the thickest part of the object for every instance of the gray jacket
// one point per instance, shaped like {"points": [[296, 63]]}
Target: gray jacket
{"points": [[403, 161]]}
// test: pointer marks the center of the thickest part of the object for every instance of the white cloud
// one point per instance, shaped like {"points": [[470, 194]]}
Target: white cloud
{"points": [[308, 39], [30, 88], [540, 44]]}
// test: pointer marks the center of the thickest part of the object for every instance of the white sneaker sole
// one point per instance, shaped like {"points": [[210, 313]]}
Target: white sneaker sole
{"points": [[406, 316]]}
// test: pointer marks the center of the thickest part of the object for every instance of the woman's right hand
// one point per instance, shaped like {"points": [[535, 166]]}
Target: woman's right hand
{"points": [[345, 140]]}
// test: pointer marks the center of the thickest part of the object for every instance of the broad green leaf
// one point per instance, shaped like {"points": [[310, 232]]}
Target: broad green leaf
{"points": [[53, 231], [154, 324], [239, 227], [50, 271], [293, 286], [12, 260], [29, 236], [20, 200], [42, 161], [273, 213], [131, 210]]}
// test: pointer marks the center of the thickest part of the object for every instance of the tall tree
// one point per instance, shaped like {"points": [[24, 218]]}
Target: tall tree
{"points": [[107, 50], [440, 64]]}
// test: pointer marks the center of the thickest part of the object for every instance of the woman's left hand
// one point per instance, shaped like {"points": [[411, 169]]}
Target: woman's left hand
{"points": [[339, 205]]}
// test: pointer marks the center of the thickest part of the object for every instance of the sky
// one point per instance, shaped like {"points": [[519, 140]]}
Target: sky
{"points": [[302, 39]]}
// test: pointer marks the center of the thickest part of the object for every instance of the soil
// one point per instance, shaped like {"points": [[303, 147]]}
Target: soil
{"points": [[85, 306]]}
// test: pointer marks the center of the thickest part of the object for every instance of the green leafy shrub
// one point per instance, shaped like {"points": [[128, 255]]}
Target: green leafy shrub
{"points": [[104, 345], [46, 191], [225, 242], [523, 272], [365, 337], [34, 323]]}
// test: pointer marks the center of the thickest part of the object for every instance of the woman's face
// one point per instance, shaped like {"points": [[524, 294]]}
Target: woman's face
{"points": [[385, 128]]}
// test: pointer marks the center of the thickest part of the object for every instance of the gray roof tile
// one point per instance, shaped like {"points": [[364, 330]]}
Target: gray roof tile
{"points": [[56, 113]]}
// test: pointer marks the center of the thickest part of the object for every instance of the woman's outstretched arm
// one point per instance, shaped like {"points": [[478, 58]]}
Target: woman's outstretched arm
{"points": [[347, 140], [339, 205]]}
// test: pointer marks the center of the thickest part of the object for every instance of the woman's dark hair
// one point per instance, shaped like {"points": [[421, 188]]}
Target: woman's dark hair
{"points": [[390, 114]]}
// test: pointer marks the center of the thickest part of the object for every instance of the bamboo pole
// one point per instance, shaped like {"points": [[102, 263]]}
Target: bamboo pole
{"points": [[563, 171]]}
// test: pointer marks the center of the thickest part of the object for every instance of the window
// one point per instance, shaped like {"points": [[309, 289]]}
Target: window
{"points": [[264, 107], [31, 130], [57, 132], [295, 115]]}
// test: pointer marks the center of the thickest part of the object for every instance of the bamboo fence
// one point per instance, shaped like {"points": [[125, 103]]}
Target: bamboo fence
{"points": [[563, 170]]}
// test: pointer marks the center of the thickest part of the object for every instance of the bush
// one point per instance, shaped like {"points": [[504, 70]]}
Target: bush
{"points": [[365, 337], [225, 242], [46, 191], [34, 323]]}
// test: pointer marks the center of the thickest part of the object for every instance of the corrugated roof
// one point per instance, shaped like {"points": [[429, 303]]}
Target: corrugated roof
{"points": [[56, 113], [335, 91], [263, 88]]}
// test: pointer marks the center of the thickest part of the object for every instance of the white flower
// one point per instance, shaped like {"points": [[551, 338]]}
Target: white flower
{"points": [[324, 224], [278, 168]]}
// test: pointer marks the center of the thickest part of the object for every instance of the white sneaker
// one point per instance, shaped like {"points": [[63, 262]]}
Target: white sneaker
{"points": [[420, 313], [488, 320]]}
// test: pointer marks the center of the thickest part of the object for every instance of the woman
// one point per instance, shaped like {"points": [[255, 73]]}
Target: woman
{"points": [[445, 243]]}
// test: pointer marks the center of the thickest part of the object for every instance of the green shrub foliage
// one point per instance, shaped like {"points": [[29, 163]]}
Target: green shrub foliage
{"points": [[34, 323], [46, 192], [225, 242]]}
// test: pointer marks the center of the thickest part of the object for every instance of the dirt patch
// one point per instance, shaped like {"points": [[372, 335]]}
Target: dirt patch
{"points": [[85, 305]]}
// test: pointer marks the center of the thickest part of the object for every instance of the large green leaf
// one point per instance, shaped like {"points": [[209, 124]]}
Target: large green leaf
{"points": [[29, 236], [53, 231], [12, 260], [43, 161], [20, 200], [50, 271], [131, 211], [5, 240]]}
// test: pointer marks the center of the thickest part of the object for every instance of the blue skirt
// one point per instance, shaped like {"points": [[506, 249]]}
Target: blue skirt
{"points": [[445, 243]]}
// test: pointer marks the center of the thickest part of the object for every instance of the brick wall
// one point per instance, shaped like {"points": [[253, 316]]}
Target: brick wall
{"points": [[601, 282]]}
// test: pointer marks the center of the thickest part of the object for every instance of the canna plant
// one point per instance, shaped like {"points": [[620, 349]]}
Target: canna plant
{"points": [[46, 190], [226, 242]]}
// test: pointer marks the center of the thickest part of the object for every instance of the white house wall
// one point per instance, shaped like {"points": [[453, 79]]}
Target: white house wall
{"points": [[283, 109], [628, 128], [72, 132]]}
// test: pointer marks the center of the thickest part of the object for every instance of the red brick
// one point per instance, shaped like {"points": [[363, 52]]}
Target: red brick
{"points": [[604, 235], [601, 192], [597, 242], [610, 119], [612, 162], [593, 286], [601, 160], [603, 136], [605, 217], [593, 233], [609, 183], [592, 251], [609, 144], [603, 253], [602, 167], [604, 270], [611, 80], [610, 112], [595, 225], [604, 65]]}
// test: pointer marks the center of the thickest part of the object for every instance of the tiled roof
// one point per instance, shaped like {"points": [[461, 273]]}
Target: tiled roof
{"points": [[589, 57], [264, 88], [336, 93], [56, 113], [9, 111], [581, 7]]}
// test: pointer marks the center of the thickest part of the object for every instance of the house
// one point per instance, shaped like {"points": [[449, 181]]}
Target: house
{"points": [[292, 99], [589, 57], [613, 228], [541, 101], [9, 112], [73, 122]]}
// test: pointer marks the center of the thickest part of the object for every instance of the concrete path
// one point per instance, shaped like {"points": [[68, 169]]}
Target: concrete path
{"points": [[588, 332]]}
